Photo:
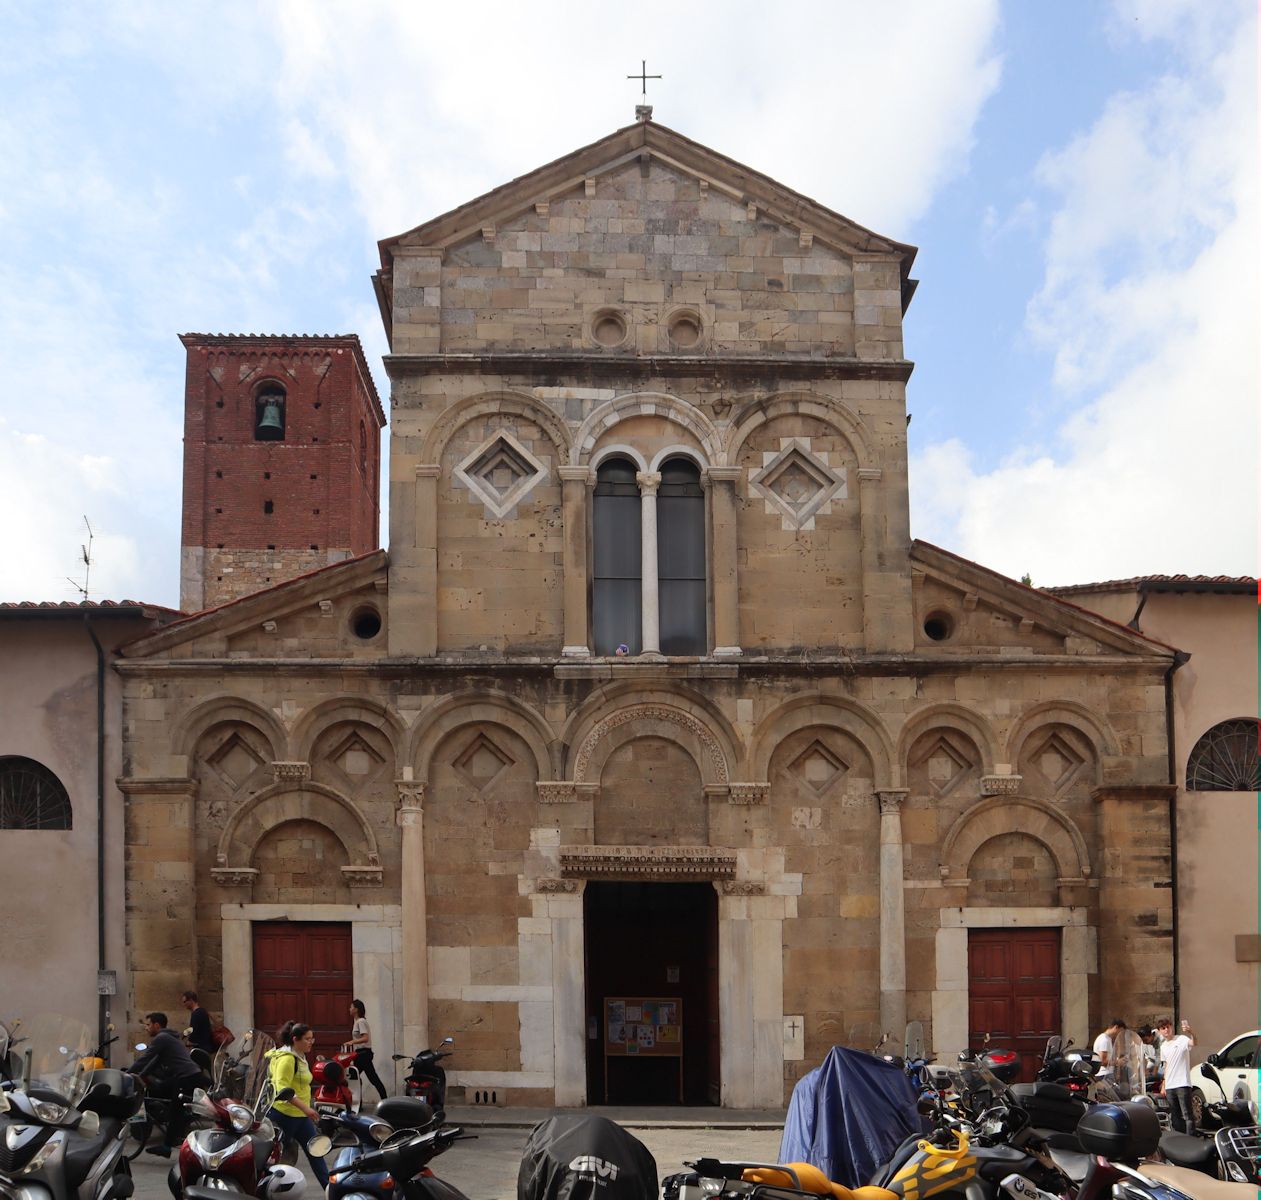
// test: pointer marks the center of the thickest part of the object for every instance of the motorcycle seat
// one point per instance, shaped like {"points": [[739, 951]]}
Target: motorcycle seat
{"points": [[814, 1181], [1072, 1163], [1187, 1150], [1195, 1184], [82, 1151]]}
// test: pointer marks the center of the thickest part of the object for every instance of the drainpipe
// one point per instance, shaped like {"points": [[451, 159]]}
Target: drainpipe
{"points": [[103, 1000], [1180, 657]]}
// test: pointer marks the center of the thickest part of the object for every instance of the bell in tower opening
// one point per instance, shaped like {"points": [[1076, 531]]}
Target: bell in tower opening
{"points": [[269, 413]]}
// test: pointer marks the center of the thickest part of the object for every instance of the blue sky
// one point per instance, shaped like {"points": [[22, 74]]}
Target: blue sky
{"points": [[1080, 179]]}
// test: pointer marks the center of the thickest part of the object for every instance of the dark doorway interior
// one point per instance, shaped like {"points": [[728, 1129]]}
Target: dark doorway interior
{"points": [[1014, 991], [303, 972], [653, 940]]}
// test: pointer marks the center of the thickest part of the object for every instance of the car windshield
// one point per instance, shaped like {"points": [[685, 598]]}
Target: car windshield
{"points": [[56, 1054]]}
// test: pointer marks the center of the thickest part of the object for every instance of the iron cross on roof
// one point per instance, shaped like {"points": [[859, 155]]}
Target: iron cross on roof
{"points": [[643, 75]]}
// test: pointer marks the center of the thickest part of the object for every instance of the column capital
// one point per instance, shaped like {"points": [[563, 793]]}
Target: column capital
{"points": [[579, 474], [428, 471], [411, 800], [891, 800], [870, 474], [649, 481], [722, 474]]}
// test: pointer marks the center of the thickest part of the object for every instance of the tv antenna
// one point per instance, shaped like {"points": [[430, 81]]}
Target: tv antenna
{"points": [[86, 551]]}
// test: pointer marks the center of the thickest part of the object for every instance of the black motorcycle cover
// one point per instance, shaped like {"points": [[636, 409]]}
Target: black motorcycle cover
{"points": [[585, 1158]]}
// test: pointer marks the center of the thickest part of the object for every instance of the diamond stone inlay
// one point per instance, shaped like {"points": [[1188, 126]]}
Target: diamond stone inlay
{"points": [[500, 473], [817, 767], [235, 760], [481, 763], [797, 483], [1058, 761]]}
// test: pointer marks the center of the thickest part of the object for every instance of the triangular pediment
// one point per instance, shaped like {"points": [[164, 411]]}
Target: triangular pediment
{"points": [[327, 613], [964, 607], [644, 143]]}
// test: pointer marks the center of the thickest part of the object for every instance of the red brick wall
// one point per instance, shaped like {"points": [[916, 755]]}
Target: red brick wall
{"points": [[322, 479]]}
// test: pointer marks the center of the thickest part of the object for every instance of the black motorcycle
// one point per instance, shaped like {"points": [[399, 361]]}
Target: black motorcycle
{"points": [[1229, 1143], [426, 1080]]}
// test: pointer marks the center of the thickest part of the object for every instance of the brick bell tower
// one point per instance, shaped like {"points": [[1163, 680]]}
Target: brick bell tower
{"points": [[282, 459]]}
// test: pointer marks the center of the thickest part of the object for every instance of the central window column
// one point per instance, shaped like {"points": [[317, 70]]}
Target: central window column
{"points": [[648, 482]]}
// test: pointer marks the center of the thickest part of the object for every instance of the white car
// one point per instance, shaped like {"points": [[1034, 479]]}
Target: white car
{"points": [[1238, 1067]]}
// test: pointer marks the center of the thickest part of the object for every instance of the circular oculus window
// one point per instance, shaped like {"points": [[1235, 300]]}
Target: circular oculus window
{"points": [[365, 623], [608, 328], [685, 330], [938, 626]]}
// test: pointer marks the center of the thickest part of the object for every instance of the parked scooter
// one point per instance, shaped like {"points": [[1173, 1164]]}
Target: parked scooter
{"points": [[426, 1080], [353, 1135], [403, 1159], [1229, 1144], [65, 1123], [237, 1149], [332, 1083]]}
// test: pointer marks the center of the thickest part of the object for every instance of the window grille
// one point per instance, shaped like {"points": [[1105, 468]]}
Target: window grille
{"points": [[1225, 759], [31, 796]]}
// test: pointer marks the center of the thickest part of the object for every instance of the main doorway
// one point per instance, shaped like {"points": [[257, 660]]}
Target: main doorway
{"points": [[1014, 991], [303, 971], [652, 993]]}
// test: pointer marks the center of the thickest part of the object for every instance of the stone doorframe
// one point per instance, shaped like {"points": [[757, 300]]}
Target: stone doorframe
{"points": [[1079, 959], [376, 964], [755, 897]]}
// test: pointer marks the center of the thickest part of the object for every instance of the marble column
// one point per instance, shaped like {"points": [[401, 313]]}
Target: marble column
{"points": [[575, 484], [415, 938], [726, 586], [650, 617], [892, 912]]}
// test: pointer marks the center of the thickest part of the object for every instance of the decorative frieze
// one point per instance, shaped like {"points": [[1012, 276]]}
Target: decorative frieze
{"points": [[647, 713], [234, 876], [1000, 785], [749, 793], [743, 887], [646, 862], [291, 772], [363, 876], [555, 886], [564, 791]]}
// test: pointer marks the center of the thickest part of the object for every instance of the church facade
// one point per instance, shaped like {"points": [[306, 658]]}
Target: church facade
{"points": [[653, 758]]}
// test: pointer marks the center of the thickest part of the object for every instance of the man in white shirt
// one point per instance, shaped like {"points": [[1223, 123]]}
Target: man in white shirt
{"points": [[1175, 1056], [1103, 1048]]}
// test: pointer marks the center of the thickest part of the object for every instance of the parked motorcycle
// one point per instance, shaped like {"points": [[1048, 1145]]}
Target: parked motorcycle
{"points": [[332, 1083], [63, 1126], [236, 1149], [1229, 1144], [353, 1135], [403, 1159], [235, 1072], [426, 1080]]}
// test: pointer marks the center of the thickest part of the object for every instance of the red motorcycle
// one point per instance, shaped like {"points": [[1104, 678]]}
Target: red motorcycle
{"points": [[331, 1080]]}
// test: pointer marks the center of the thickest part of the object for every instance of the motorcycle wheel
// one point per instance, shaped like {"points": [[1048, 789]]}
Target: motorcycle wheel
{"points": [[1197, 1107]]}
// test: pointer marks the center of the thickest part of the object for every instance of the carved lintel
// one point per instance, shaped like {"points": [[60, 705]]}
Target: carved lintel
{"points": [[234, 876], [891, 800], [552, 886], [291, 772], [1000, 785], [743, 887], [564, 791], [749, 793], [646, 862], [359, 875]]}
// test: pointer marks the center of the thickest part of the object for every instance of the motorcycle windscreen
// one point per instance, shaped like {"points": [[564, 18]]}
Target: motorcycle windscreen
{"points": [[581, 1158], [848, 1115]]}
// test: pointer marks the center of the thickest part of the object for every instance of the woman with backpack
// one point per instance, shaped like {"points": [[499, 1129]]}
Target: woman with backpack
{"points": [[361, 1041], [288, 1068]]}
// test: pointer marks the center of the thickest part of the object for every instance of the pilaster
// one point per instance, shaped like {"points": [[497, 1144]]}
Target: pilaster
{"points": [[726, 586], [575, 484], [892, 910]]}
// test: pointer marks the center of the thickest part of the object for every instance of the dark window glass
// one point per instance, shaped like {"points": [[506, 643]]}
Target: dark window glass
{"points": [[1225, 759], [1242, 1054], [616, 581], [31, 796], [681, 558]]}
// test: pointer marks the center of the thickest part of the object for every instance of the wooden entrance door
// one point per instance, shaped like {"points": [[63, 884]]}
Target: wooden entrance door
{"points": [[1014, 991], [303, 972]]}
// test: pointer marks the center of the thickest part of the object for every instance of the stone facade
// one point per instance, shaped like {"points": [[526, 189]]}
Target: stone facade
{"points": [[882, 747]]}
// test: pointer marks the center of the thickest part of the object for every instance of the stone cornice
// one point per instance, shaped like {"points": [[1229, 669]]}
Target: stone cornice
{"points": [[656, 366], [156, 787], [646, 862]]}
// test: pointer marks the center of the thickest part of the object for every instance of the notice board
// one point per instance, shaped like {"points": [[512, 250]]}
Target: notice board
{"points": [[643, 1027]]}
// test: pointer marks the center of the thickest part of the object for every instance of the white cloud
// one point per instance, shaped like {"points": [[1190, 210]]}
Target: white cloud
{"points": [[1149, 304]]}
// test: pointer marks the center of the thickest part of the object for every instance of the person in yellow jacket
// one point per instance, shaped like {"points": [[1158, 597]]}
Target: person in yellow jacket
{"points": [[287, 1067]]}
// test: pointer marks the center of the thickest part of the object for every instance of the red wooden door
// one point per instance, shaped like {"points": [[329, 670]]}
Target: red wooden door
{"points": [[303, 972], [1014, 991]]}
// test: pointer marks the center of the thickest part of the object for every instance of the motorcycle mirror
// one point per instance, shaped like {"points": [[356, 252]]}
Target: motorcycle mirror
{"points": [[141, 1046], [926, 1106], [319, 1145], [448, 1041], [1210, 1072], [90, 1124]]}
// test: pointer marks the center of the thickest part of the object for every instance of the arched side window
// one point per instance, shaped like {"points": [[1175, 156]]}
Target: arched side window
{"points": [[616, 580], [31, 796], [1225, 759], [681, 558], [269, 412]]}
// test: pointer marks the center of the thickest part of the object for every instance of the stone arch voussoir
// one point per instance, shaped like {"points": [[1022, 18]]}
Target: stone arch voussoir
{"points": [[832, 712], [652, 719], [495, 404], [217, 710], [337, 710], [484, 708], [637, 404], [829, 409], [282, 802], [949, 716], [999, 815], [1090, 725]]}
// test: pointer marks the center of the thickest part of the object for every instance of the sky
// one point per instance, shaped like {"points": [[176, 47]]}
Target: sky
{"points": [[1080, 178]]}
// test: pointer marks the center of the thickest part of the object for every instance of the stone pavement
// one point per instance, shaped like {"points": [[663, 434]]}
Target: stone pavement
{"points": [[486, 1169]]}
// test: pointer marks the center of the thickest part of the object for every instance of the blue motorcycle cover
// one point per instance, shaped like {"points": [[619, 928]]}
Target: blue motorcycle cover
{"points": [[847, 1116]]}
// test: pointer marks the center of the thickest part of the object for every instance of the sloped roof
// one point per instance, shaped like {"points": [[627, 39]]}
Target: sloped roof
{"points": [[69, 608], [1163, 583], [627, 144]]}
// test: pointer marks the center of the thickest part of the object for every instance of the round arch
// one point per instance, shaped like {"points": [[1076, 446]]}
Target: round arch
{"points": [[218, 709], [815, 708], [619, 450], [999, 815], [638, 404], [828, 409], [947, 715], [1062, 712], [491, 708], [307, 801], [495, 404], [676, 724], [680, 451], [361, 709]]}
